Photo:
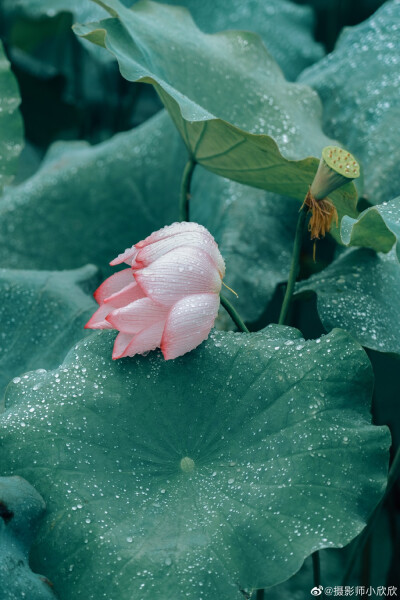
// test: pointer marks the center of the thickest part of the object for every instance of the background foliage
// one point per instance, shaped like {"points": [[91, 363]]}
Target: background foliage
{"points": [[278, 421]]}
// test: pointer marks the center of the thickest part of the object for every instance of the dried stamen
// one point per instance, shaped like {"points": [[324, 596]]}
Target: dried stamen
{"points": [[323, 213]]}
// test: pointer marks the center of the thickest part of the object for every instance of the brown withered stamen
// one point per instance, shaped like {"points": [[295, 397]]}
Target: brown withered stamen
{"points": [[323, 213]]}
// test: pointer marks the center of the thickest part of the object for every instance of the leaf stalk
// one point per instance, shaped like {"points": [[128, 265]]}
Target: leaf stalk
{"points": [[233, 313], [294, 268], [184, 199]]}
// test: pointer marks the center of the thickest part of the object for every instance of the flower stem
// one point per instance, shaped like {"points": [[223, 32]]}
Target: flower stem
{"points": [[362, 539], [185, 190], [233, 314], [316, 569], [294, 268]]}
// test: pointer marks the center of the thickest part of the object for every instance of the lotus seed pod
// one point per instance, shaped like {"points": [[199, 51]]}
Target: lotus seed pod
{"points": [[336, 167]]}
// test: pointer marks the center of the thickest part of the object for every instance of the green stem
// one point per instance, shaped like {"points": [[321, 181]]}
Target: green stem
{"points": [[185, 190], [316, 569], [233, 314], [260, 595], [394, 474], [294, 268]]}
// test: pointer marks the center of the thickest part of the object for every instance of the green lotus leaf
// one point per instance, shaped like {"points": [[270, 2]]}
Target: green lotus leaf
{"points": [[377, 227], [334, 564], [21, 509], [359, 86], [87, 203], [78, 86], [359, 292], [11, 138], [228, 98], [196, 478], [285, 27], [42, 315]]}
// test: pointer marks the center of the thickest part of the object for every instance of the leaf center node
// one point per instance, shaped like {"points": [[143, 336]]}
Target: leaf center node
{"points": [[187, 464]]}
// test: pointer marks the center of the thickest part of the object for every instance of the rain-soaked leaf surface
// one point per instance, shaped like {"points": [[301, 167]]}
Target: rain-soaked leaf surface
{"points": [[377, 227], [21, 508], [285, 28], [193, 478], [360, 292], [235, 111], [11, 129], [359, 84], [334, 564], [42, 314], [88, 203]]}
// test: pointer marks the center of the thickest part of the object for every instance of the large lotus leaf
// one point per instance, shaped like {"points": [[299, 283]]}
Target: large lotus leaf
{"points": [[42, 315], [11, 129], [235, 111], [359, 86], [21, 508], [360, 292], [197, 477], [42, 45], [377, 227], [89, 202], [285, 28], [334, 564]]}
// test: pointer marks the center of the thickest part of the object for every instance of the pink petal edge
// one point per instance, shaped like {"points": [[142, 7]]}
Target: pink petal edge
{"points": [[173, 229], [188, 324], [121, 342], [113, 284], [98, 319], [145, 341], [125, 257]]}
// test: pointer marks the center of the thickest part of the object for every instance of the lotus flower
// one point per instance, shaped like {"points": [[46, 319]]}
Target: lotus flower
{"points": [[169, 296]]}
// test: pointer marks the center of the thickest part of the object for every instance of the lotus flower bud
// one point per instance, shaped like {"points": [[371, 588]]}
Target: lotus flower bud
{"points": [[168, 298]]}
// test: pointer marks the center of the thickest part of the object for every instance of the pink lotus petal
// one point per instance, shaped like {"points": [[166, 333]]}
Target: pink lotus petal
{"points": [[183, 271], [122, 341], [113, 284], [193, 239], [136, 316], [172, 230], [188, 324], [169, 297], [128, 294], [127, 257], [146, 340], [98, 319]]}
